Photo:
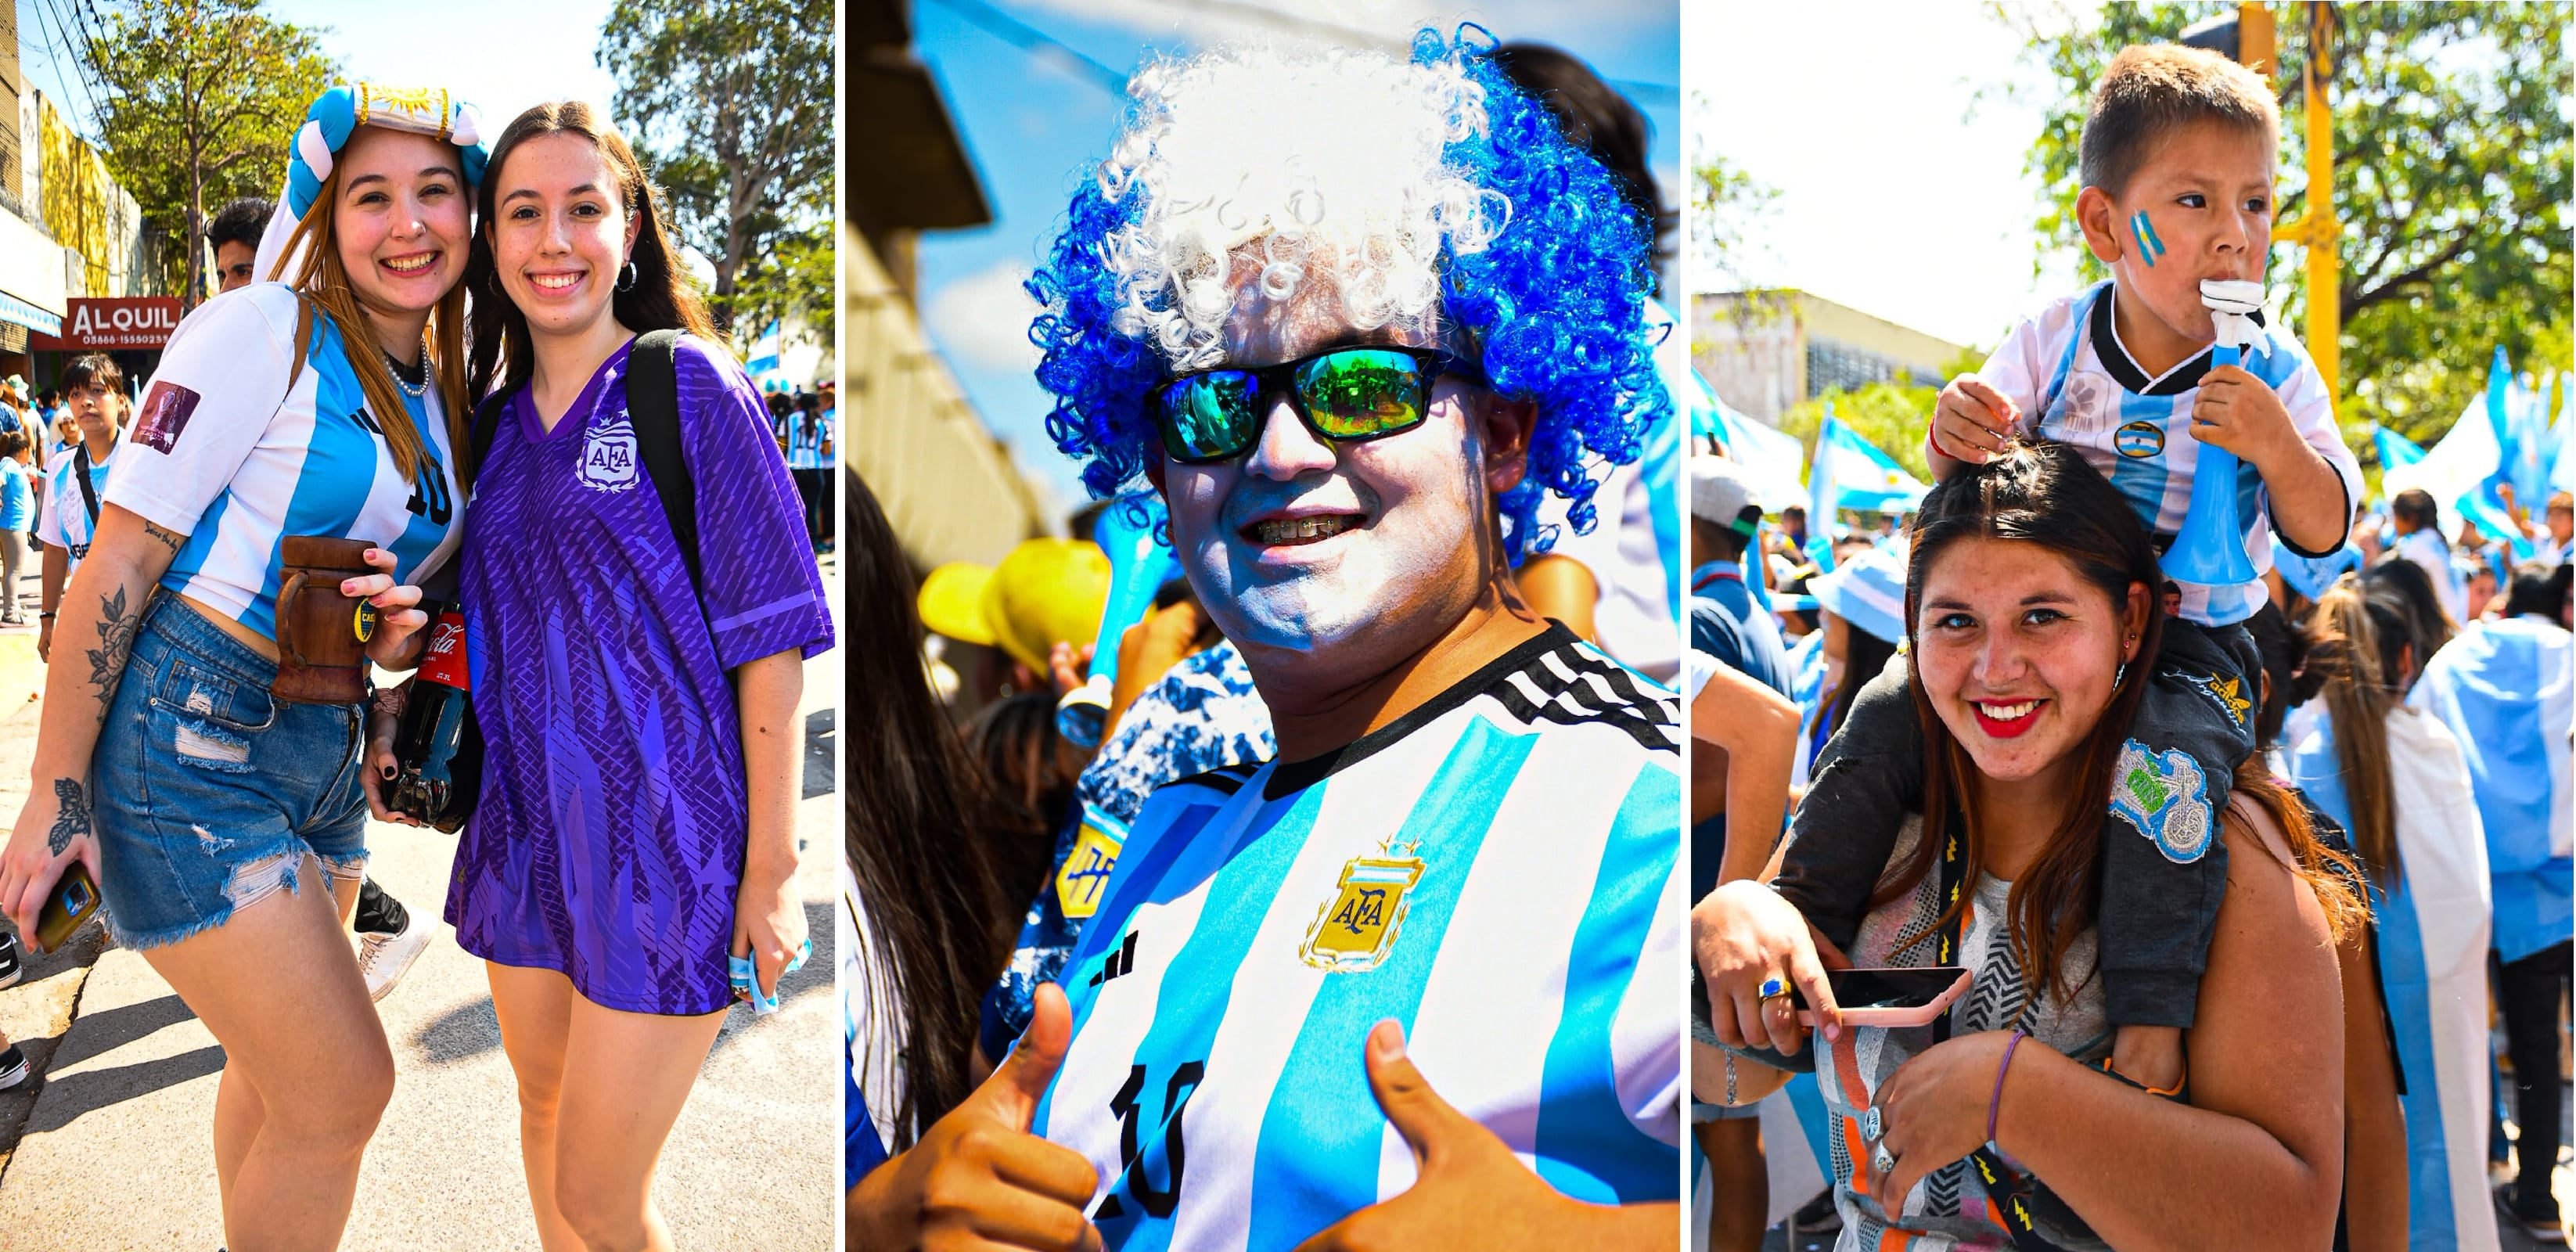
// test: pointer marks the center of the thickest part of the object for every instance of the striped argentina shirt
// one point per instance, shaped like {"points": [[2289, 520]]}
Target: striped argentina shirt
{"points": [[1498, 870], [2076, 384]]}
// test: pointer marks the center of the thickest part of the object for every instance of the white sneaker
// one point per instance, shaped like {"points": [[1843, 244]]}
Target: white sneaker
{"points": [[384, 957]]}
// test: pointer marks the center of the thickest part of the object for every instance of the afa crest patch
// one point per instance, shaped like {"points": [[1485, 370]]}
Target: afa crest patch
{"points": [[1086, 869], [2229, 693], [1354, 931], [2165, 797], [608, 456]]}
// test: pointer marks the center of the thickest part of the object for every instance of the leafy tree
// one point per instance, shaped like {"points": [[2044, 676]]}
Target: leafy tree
{"points": [[2452, 184], [200, 97], [1890, 415], [732, 107]]}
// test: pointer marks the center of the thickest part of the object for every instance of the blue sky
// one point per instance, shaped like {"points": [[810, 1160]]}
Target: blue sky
{"points": [[1034, 122], [548, 54]]}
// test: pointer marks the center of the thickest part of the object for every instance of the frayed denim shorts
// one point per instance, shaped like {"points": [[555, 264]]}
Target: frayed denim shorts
{"points": [[208, 794]]}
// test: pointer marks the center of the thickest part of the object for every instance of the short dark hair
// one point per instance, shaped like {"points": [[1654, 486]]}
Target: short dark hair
{"points": [[2415, 507], [1726, 541], [2149, 91], [12, 442], [2538, 589], [49, 397], [240, 222], [96, 367]]}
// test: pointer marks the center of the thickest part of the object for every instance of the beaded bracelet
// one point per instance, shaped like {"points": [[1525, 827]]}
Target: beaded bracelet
{"points": [[1996, 1103]]}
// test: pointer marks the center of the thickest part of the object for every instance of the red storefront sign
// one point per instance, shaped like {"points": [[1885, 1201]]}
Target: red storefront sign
{"points": [[104, 323]]}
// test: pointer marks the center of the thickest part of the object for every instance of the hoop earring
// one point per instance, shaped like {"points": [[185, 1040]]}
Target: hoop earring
{"points": [[626, 277]]}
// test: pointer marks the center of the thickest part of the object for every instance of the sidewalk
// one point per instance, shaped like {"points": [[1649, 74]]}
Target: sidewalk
{"points": [[116, 1151]]}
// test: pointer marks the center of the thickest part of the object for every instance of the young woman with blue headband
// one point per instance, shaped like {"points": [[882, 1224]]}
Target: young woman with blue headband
{"points": [[199, 755]]}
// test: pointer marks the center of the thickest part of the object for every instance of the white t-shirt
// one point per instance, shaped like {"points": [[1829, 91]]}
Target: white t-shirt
{"points": [[227, 451], [2427, 548], [65, 521]]}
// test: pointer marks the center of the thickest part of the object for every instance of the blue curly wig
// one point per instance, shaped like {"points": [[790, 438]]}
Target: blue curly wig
{"points": [[1514, 235]]}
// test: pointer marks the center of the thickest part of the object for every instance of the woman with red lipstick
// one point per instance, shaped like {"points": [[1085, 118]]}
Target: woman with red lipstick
{"points": [[201, 769], [636, 684], [2031, 619]]}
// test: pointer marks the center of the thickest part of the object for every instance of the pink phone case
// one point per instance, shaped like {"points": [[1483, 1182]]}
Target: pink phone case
{"points": [[1923, 1016]]}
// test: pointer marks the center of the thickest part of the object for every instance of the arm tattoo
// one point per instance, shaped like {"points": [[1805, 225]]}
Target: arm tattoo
{"points": [[116, 629], [167, 539], [73, 819]]}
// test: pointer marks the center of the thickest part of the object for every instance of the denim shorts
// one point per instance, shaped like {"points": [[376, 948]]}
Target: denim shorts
{"points": [[208, 794]]}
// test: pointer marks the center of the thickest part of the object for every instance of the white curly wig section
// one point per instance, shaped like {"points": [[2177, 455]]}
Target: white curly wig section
{"points": [[1316, 164]]}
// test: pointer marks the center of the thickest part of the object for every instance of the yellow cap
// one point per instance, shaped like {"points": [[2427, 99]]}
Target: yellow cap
{"points": [[1045, 592], [952, 602]]}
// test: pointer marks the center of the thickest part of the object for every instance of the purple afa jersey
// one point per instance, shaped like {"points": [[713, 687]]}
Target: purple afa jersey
{"points": [[608, 843]]}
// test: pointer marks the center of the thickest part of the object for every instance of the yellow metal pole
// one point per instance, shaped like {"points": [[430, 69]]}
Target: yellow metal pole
{"points": [[2254, 39], [2320, 231]]}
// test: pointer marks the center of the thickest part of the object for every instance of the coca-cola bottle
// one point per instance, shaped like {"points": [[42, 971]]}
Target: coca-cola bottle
{"points": [[437, 746]]}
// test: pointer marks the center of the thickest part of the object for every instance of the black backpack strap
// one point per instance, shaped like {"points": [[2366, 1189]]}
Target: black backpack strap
{"points": [[89, 490], [653, 406]]}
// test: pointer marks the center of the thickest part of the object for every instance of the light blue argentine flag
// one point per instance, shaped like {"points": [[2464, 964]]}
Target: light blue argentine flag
{"points": [[1498, 871], [2432, 939]]}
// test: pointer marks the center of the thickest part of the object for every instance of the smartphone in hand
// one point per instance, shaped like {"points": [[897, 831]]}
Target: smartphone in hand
{"points": [[73, 902]]}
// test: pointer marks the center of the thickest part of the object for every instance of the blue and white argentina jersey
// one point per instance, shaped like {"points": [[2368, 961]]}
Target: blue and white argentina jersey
{"points": [[2076, 384], [228, 452], [65, 521], [1497, 870], [804, 447]]}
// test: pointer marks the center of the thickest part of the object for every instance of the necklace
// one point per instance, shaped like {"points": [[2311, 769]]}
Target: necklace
{"points": [[400, 371]]}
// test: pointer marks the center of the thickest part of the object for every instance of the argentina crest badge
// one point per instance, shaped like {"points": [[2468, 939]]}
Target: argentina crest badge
{"points": [[2164, 796], [608, 456], [1085, 876], [1355, 929]]}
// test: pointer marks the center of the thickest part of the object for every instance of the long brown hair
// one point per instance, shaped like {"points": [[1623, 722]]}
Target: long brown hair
{"points": [[322, 289], [2046, 494], [2356, 637], [921, 833], [657, 299]]}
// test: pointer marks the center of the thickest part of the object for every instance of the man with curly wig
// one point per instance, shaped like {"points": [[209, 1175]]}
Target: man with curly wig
{"points": [[1410, 983]]}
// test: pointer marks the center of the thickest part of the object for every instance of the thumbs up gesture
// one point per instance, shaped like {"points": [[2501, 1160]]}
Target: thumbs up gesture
{"points": [[977, 1179], [1469, 1191]]}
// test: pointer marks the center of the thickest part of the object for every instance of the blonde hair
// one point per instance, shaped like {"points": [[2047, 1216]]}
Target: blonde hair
{"points": [[322, 289]]}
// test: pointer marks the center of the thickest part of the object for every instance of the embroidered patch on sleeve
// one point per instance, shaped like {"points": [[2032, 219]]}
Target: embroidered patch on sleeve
{"points": [[165, 413], [2164, 796]]}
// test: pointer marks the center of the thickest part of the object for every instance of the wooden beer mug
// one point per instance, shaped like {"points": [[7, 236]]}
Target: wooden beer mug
{"points": [[321, 634]]}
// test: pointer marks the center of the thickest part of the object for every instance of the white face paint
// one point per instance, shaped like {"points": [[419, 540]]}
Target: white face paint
{"points": [[1331, 554]]}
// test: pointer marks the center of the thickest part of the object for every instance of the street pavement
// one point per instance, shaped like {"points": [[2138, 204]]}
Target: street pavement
{"points": [[113, 1149]]}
